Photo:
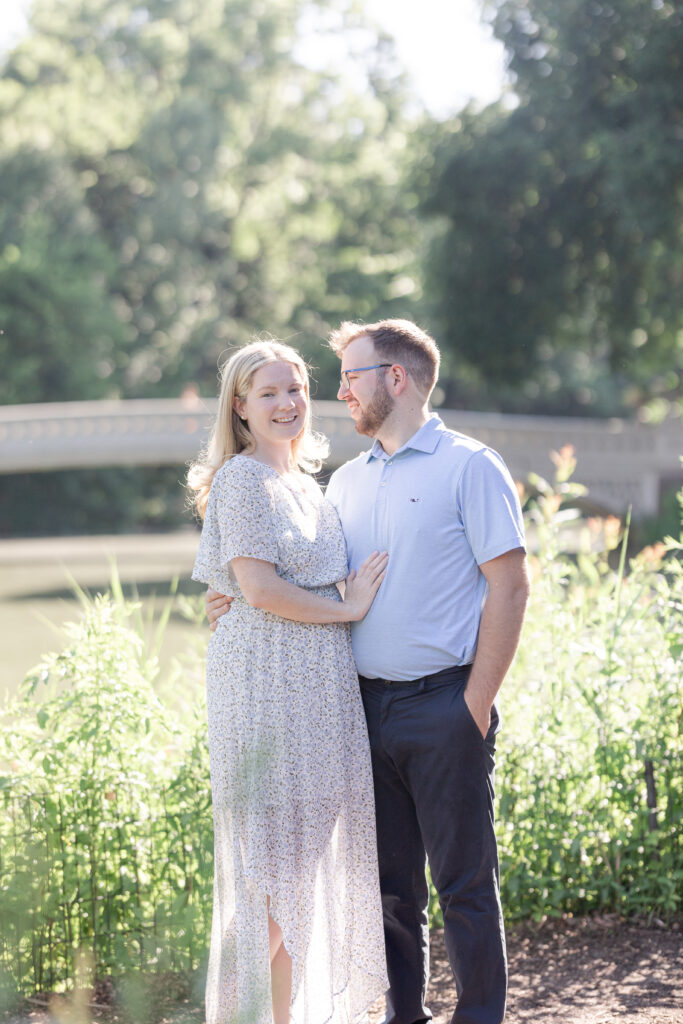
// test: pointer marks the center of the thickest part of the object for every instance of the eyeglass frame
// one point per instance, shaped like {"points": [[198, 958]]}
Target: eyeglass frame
{"points": [[344, 380]]}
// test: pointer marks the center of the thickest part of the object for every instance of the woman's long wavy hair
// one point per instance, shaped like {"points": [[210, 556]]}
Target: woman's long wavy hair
{"points": [[231, 435]]}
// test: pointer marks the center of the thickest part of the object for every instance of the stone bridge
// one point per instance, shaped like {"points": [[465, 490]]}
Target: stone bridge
{"points": [[621, 462]]}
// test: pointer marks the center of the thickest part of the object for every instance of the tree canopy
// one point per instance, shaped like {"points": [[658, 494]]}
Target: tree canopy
{"points": [[557, 269], [177, 180]]}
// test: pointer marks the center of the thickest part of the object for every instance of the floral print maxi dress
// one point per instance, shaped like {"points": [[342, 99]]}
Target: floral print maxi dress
{"points": [[290, 766]]}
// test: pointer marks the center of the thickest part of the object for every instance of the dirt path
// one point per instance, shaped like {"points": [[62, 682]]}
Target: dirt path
{"points": [[579, 972], [597, 971]]}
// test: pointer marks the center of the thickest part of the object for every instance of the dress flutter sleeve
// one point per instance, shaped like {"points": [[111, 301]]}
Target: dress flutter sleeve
{"points": [[239, 522]]}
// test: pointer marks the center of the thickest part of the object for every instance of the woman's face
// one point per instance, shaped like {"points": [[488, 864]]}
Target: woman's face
{"points": [[276, 404]]}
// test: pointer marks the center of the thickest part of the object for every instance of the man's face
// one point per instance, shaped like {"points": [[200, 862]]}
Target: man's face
{"points": [[365, 391]]}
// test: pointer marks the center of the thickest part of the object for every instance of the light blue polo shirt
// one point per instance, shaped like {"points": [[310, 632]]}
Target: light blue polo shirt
{"points": [[440, 505]]}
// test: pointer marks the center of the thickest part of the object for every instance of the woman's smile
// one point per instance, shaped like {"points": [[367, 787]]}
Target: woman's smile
{"points": [[275, 407]]}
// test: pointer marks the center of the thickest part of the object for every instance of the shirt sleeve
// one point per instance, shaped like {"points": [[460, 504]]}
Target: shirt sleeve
{"points": [[245, 514], [239, 523], [489, 506]]}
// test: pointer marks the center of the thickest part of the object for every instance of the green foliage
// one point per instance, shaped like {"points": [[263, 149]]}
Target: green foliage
{"points": [[665, 523], [54, 273], [590, 787], [106, 837], [176, 179], [203, 185], [119, 499], [106, 840], [557, 258]]}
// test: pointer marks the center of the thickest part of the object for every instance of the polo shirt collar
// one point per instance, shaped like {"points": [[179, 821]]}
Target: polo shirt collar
{"points": [[425, 439]]}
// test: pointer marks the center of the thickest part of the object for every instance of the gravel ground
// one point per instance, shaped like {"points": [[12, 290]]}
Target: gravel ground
{"points": [[588, 971]]}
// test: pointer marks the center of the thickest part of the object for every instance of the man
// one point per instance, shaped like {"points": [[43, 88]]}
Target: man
{"points": [[431, 654]]}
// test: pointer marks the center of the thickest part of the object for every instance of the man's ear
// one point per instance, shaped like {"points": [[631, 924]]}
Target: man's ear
{"points": [[399, 378]]}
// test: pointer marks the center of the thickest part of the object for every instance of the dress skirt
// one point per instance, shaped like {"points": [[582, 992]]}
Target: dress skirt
{"points": [[294, 821]]}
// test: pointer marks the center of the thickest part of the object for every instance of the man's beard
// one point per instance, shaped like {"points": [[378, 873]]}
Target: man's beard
{"points": [[372, 417]]}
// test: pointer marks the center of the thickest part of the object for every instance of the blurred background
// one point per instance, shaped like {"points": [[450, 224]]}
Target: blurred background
{"points": [[177, 177]]}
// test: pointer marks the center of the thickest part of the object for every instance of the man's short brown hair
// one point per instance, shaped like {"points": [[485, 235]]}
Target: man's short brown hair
{"points": [[400, 341]]}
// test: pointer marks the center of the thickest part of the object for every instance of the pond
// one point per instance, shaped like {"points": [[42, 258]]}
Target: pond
{"points": [[37, 594]]}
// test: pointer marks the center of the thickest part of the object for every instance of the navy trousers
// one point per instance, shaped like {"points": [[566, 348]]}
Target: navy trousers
{"points": [[434, 790]]}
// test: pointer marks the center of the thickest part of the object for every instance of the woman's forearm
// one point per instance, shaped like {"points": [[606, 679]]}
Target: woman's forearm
{"points": [[263, 588]]}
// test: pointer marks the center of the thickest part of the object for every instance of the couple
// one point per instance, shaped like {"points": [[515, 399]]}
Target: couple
{"points": [[432, 532]]}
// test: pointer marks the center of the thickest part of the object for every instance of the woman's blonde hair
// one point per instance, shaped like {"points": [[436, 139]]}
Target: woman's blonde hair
{"points": [[231, 435]]}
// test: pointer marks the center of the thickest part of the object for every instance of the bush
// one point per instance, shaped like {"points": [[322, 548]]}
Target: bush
{"points": [[590, 787], [106, 839]]}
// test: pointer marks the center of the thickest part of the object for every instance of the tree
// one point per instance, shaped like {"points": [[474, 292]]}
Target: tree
{"points": [[54, 270], [228, 188], [557, 268]]}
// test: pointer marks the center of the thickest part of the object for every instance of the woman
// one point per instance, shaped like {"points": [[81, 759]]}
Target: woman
{"points": [[297, 926]]}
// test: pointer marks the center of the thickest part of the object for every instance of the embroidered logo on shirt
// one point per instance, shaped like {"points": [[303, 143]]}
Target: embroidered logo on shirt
{"points": [[414, 499]]}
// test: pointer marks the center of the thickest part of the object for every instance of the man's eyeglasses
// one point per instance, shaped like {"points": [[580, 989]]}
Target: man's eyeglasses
{"points": [[346, 383]]}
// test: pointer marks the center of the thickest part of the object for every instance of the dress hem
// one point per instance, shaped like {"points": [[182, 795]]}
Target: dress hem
{"points": [[337, 994]]}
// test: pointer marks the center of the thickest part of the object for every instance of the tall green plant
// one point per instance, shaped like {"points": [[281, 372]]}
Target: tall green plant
{"points": [[591, 791], [105, 843]]}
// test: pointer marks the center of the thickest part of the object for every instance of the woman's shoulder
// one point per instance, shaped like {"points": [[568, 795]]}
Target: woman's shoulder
{"points": [[243, 484], [242, 469], [243, 481]]}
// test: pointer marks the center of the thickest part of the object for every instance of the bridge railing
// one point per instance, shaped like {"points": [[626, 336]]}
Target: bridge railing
{"points": [[622, 462]]}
